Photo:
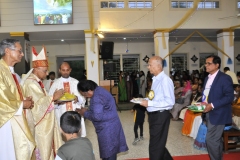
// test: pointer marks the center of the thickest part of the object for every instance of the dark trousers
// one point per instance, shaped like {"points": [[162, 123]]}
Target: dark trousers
{"points": [[214, 140], [158, 127], [136, 124], [113, 157]]}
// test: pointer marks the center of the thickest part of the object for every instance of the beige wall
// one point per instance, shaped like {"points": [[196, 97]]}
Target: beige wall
{"points": [[143, 49], [165, 17], [17, 16]]}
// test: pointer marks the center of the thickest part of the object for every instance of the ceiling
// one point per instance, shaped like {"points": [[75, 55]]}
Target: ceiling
{"points": [[78, 36]]}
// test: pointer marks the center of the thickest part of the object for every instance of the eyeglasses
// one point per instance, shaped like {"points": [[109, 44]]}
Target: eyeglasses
{"points": [[18, 50], [208, 63]]}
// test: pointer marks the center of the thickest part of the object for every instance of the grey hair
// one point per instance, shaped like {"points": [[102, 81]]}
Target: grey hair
{"points": [[7, 43]]}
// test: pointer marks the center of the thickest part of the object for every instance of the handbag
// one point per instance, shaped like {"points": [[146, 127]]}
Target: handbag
{"points": [[180, 100]]}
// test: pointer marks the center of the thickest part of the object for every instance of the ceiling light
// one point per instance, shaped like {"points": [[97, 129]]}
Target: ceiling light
{"points": [[100, 35], [62, 40], [124, 38]]}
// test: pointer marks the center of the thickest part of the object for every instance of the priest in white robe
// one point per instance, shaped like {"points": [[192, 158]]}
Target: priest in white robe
{"points": [[69, 85], [48, 82]]}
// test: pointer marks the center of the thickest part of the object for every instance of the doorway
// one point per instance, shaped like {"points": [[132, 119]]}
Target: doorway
{"points": [[76, 63]]}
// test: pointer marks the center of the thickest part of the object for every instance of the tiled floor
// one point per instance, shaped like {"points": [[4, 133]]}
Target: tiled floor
{"points": [[177, 144]]}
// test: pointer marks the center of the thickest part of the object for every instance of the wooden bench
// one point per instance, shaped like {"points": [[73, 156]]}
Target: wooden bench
{"points": [[232, 132], [226, 135]]}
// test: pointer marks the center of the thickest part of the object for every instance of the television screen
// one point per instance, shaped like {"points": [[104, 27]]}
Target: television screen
{"points": [[52, 12]]}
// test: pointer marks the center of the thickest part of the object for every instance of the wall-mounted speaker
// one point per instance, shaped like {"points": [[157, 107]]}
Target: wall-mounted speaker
{"points": [[109, 67], [107, 50]]}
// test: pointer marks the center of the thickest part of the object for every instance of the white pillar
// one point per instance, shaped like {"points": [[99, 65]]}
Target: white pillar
{"points": [[223, 42], [160, 51], [92, 57]]}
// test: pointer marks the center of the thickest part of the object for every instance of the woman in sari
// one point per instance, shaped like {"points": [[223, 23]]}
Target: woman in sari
{"points": [[177, 89], [189, 115], [186, 95], [122, 88], [128, 86]]}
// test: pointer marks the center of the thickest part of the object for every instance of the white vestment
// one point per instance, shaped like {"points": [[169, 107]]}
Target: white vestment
{"points": [[47, 84], [60, 109]]}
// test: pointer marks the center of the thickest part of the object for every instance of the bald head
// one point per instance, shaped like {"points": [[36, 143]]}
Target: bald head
{"points": [[158, 60], [40, 72], [65, 70], [155, 65], [64, 64]]}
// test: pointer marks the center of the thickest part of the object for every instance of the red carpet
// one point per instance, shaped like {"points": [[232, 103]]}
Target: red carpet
{"points": [[227, 156]]}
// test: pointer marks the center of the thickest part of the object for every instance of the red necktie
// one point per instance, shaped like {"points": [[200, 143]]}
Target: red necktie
{"points": [[41, 84]]}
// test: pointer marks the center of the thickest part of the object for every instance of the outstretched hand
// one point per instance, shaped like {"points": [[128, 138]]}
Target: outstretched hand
{"points": [[75, 99], [58, 94], [81, 111]]}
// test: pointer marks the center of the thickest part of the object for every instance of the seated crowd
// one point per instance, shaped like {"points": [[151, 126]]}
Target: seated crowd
{"points": [[188, 91]]}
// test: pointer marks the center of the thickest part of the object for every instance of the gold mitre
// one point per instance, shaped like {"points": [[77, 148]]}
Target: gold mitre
{"points": [[39, 60]]}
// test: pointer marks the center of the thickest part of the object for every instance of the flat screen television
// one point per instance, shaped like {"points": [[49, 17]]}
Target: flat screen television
{"points": [[52, 12]]}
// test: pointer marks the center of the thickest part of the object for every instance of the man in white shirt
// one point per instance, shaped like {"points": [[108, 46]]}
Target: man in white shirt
{"points": [[231, 74], [48, 83], [159, 103], [69, 85]]}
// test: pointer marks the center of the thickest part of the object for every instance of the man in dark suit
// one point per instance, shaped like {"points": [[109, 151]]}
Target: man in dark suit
{"points": [[218, 94]]}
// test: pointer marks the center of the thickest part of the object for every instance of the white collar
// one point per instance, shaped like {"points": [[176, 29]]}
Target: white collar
{"points": [[11, 69], [66, 79]]}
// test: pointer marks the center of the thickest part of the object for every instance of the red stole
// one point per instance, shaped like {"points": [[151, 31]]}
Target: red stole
{"points": [[18, 88], [51, 83], [42, 86], [67, 90]]}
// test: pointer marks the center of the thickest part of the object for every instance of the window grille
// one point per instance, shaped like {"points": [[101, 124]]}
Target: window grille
{"points": [[179, 62], [208, 4], [201, 5], [114, 75], [140, 4], [112, 4], [130, 63]]}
